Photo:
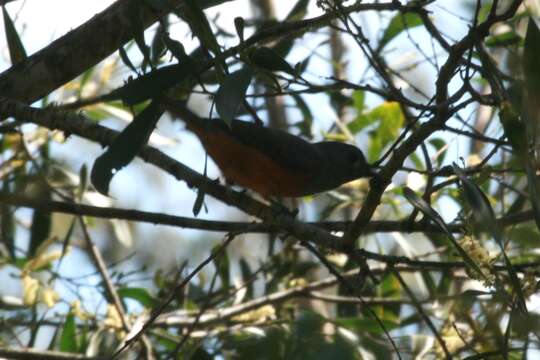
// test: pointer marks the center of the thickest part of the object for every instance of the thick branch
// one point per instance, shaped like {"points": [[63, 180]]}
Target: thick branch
{"points": [[77, 124], [79, 50], [84, 47], [28, 354]]}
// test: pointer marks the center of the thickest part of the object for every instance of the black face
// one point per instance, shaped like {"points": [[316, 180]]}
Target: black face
{"points": [[345, 161], [340, 163], [357, 162], [355, 157]]}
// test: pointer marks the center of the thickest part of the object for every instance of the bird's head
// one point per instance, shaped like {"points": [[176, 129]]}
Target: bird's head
{"points": [[344, 162]]}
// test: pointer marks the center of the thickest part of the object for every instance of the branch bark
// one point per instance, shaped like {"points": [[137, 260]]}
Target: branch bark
{"points": [[27, 354], [80, 49]]}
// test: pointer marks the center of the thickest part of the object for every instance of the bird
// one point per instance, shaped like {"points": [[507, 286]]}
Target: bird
{"points": [[273, 162]]}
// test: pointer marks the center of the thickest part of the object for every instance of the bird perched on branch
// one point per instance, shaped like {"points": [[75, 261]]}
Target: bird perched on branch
{"points": [[273, 162]]}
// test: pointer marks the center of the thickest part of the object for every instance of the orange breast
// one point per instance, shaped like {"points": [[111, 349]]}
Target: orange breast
{"points": [[249, 167]]}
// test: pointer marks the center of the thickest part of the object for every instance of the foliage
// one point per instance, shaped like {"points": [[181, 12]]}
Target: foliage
{"points": [[435, 257]]}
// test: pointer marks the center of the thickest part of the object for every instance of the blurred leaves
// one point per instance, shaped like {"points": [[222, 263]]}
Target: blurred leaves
{"points": [[141, 295], [384, 123], [306, 339], [504, 39], [397, 25]]}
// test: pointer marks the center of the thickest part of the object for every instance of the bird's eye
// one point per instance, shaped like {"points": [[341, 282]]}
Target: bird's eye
{"points": [[353, 157]]}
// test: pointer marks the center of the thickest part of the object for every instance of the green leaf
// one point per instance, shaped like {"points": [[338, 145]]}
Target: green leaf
{"points": [[363, 325], [68, 235], [298, 11], [84, 78], [269, 59], [481, 208], [434, 216], [389, 119], [134, 14], [439, 144], [125, 147], [126, 60], [17, 53], [273, 345], [359, 100], [200, 26], [68, 338], [83, 182], [158, 46], [514, 130], [389, 287], [505, 39], [309, 325], [485, 217], [239, 25], [152, 84], [361, 122], [232, 92], [399, 23], [222, 264], [284, 46], [531, 70], [301, 66], [307, 117], [141, 295], [533, 186], [7, 223], [525, 235], [531, 54], [416, 161], [83, 339], [199, 201], [40, 228], [246, 275]]}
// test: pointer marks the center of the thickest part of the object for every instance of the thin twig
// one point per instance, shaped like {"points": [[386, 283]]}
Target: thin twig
{"points": [[111, 292], [353, 290], [172, 295], [423, 314]]}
